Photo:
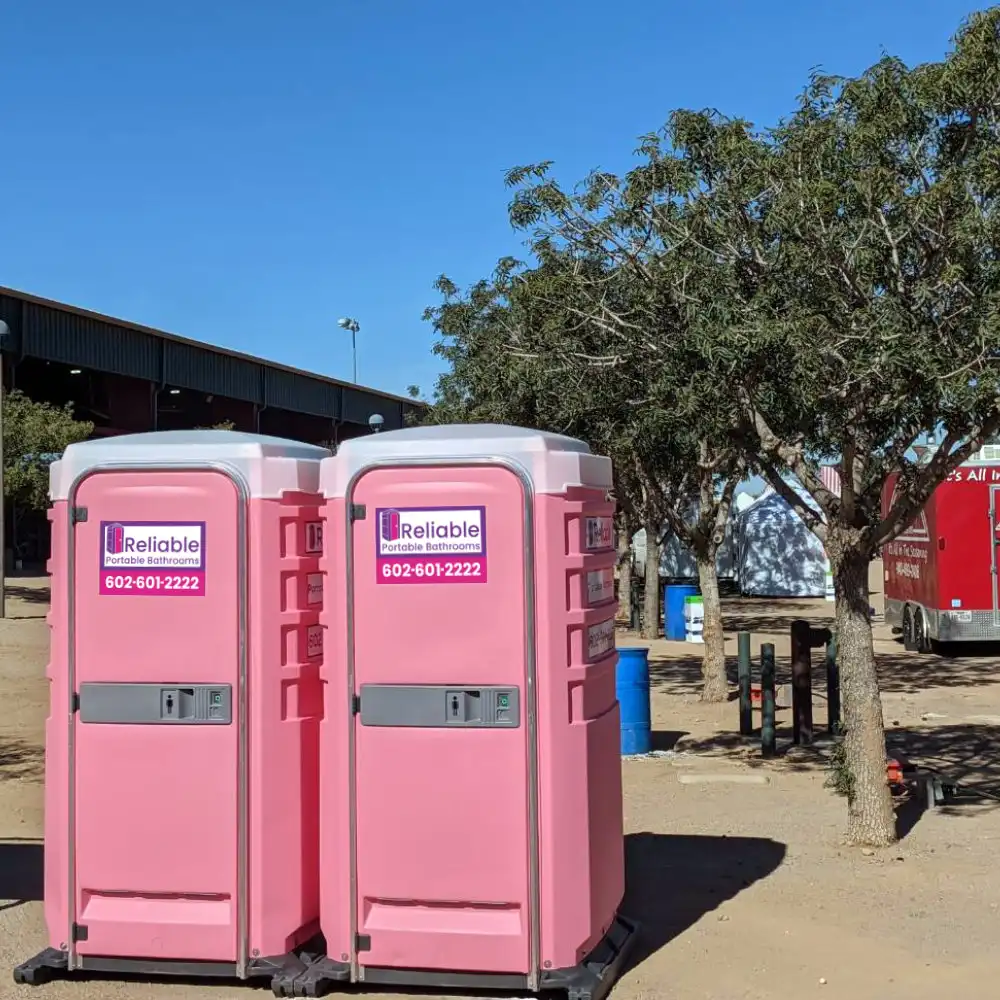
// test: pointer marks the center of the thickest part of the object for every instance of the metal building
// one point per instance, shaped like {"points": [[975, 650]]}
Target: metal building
{"points": [[127, 378]]}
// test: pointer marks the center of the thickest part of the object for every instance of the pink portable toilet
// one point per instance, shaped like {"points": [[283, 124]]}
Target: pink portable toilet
{"points": [[181, 812], [470, 771]]}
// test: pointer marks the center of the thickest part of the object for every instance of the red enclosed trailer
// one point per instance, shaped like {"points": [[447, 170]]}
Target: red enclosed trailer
{"points": [[941, 572]]}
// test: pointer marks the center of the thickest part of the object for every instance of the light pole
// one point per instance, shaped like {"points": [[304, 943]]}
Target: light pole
{"points": [[346, 323], [4, 337]]}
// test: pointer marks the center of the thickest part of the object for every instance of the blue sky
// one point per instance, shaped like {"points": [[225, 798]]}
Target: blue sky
{"points": [[244, 172]]}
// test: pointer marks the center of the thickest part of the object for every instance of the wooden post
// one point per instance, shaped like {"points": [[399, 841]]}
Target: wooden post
{"points": [[832, 687], [802, 713], [768, 736], [746, 704]]}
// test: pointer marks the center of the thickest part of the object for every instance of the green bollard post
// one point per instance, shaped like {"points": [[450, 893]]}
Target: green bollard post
{"points": [[832, 687], [768, 735], [635, 600], [746, 704]]}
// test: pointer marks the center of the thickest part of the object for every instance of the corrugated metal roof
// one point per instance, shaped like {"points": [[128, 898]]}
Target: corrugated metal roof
{"points": [[194, 368], [291, 391], [89, 342]]}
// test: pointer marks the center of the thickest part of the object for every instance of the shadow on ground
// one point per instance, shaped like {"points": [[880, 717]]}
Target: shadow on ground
{"points": [[770, 616], [21, 873], [30, 595], [666, 739], [681, 675], [19, 759], [673, 881], [675, 675], [968, 754], [908, 673], [899, 673], [965, 755]]}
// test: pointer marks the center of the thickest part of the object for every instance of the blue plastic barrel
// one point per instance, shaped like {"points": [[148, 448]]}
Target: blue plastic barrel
{"points": [[632, 689], [673, 609]]}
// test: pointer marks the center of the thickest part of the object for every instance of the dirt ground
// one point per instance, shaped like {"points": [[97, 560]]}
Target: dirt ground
{"points": [[736, 867]]}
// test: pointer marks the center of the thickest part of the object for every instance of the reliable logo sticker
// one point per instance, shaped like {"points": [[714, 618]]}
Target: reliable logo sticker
{"points": [[430, 544], [162, 558], [598, 533]]}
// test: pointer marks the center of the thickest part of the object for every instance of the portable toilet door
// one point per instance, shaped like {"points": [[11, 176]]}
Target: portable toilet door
{"points": [[156, 823], [444, 768]]}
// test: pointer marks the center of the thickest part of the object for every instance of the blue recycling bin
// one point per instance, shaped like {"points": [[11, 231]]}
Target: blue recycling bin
{"points": [[632, 690], [674, 595]]}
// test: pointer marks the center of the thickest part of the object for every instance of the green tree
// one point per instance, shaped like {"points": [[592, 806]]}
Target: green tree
{"points": [[495, 339], [869, 284], [627, 285], [527, 347], [34, 434], [839, 276]]}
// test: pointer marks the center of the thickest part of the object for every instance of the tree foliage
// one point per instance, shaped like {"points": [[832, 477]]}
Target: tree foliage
{"points": [[34, 435], [825, 290], [525, 347]]}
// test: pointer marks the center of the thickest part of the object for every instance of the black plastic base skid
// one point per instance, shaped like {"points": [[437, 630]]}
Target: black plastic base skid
{"points": [[315, 980], [52, 964], [592, 979]]}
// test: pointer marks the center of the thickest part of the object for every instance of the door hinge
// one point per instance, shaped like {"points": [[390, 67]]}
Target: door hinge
{"points": [[78, 515], [75, 702], [363, 942], [358, 512], [355, 704], [79, 932]]}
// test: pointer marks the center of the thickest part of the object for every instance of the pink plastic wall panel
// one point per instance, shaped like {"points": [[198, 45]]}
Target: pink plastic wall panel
{"points": [[334, 773], [286, 703], [57, 909], [442, 814], [580, 785]]}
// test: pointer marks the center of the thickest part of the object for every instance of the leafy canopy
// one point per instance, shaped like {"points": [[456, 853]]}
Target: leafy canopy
{"points": [[34, 435], [829, 286]]}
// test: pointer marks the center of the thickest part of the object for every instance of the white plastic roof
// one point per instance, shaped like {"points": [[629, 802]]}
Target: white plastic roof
{"points": [[289, 465], [553, 462]]}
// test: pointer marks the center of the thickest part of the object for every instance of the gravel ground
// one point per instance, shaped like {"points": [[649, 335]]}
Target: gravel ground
{"points": [[745, 890]]}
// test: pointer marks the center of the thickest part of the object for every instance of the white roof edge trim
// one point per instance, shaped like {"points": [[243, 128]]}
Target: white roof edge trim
{"points": [[551, 463], [269, 466]]}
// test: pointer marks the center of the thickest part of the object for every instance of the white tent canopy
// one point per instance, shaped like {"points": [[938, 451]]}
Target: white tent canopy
{"points": [[777, 554], [677, 561]]}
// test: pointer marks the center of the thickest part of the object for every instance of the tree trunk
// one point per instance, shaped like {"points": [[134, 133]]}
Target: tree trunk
{"points": [[713, 665], [870, 818], [651, 599], [625, 570]]}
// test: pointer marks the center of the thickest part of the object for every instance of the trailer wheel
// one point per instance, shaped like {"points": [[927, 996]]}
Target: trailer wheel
{"points": [[921, 644], [908, 637]]}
